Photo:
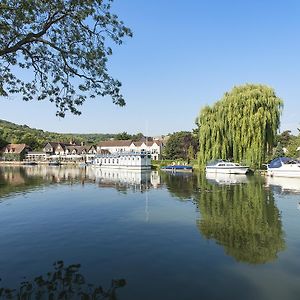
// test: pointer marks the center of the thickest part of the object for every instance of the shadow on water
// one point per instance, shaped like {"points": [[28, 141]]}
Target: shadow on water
{"points": [[64, 282]]}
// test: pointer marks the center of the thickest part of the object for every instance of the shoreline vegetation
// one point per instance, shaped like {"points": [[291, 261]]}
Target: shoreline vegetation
{"points": [[241, 127]]}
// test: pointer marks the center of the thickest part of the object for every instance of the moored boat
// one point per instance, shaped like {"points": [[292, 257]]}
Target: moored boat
{"points": [[177, 168], [225, 167], [284, 167]]}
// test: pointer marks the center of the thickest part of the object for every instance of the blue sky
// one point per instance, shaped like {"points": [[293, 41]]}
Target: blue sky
{"points": [[184, 55]]}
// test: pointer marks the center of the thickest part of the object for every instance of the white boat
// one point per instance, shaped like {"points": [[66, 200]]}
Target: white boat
{"points": [[224, 167], [123, 160], [284, 167]]}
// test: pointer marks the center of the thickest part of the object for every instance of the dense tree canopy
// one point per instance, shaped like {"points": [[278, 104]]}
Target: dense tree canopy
{"points": [[66, 43], [241, 126], [181, 145]]}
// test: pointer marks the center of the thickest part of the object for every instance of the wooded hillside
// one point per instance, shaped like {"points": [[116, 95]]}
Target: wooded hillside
{"points": [[36, 138]]}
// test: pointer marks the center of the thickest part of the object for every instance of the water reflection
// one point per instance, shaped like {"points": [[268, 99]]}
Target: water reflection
{"points": [[123, 179], [180, 185], [64, 282], [283, 185], [26, 178], [239, 213], [226, 178], [243, 219]]}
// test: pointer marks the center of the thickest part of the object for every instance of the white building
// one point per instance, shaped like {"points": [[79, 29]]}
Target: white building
{"points": [[123, 160], [118, 146]]}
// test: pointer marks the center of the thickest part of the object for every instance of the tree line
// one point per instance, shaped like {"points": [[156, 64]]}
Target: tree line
{"points": [[37, 138]]}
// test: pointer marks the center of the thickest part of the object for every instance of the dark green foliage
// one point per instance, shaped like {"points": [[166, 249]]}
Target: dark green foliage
{"points": [[12, 156], [36, 138], [64, 282], [123, 136], [278, 151], [284, 138], [241, 126], [65, 44], [292, 147], [178, 145]]}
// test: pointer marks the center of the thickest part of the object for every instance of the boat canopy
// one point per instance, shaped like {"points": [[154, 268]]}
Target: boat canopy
{"points": [[214, 162], [277, 162]]}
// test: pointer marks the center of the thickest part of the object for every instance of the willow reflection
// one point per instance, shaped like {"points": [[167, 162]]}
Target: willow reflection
{"points": [[64, 282], [244, 219]]}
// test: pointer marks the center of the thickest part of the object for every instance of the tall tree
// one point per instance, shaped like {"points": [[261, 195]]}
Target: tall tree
{"points": [[178, 144], [66, 44], [241, 126], [285, 137]]}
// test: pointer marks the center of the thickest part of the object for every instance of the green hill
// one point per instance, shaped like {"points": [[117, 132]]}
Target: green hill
{"points": [[36, 138]]}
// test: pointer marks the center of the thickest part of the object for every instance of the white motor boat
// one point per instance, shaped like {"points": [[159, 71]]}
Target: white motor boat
{"points": [[284, 167], [224, 167]]}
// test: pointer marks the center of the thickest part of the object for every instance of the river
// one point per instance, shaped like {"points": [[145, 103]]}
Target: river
{"points": [[79, 233]]}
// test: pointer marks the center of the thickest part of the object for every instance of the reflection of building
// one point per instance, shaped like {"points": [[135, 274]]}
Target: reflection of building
{"points": [[226, 178], [135, 178], [154, 147], [104, 177]]}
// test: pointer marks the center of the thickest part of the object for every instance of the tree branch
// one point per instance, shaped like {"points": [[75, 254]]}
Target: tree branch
{"points": [[31, 37]]}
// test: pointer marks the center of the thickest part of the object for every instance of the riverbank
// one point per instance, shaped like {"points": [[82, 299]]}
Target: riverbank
{"points": [[24, 163]]}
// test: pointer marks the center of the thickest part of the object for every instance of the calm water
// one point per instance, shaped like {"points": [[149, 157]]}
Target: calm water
{"points": [[120, 235]]}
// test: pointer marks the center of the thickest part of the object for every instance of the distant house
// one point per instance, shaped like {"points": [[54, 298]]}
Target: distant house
{"points": [[63, 152], [15, 152], [113, 146]]}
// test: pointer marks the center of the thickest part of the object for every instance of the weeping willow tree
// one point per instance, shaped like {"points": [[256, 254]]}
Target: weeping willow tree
{"points": [[241, 126]]}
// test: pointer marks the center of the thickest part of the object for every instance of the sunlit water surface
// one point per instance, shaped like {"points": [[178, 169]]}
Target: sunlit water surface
{"points": [[78, 232]]}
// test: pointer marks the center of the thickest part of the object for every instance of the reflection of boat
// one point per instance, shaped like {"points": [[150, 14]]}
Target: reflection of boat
{"points": [[29, 163], [225, 179], [177, 168], [284, 184], [125, 177], [284, 167], [54, 163], [224, 167]]}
